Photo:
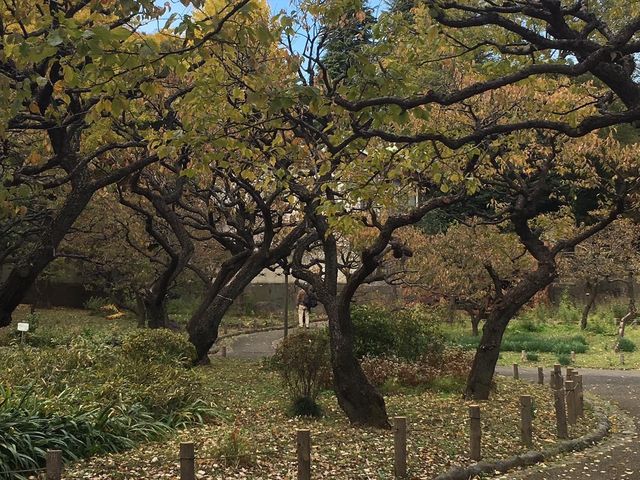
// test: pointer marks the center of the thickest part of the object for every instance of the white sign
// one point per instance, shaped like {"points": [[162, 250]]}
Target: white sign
{"points": [[23, 327]]}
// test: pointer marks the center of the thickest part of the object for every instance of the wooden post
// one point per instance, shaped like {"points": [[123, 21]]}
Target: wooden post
{"points": [[569, 374], [541, 375], [54, 464], [557, 373], [579, 396], [559, 404], [571, 402], [622, 359], [475, 432], [187, 461], [224, 351], [516, 374], [400, 447], [526, 417], [303, 447]]}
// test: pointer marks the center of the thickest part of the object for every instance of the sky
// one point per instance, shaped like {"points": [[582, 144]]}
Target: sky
{"points": [[179, 9]]}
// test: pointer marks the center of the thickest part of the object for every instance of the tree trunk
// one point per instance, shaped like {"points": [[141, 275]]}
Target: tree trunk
{"points": [[486, 357], [500, 314], [155, 307], [203, 327], [592, 291], [621, 329], [141, 311], [475, 322], [204, 324], [24, 274], [360, 401]]}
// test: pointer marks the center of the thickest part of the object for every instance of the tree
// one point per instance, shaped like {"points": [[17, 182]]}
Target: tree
{"points": [[80, 84], [611, 255], [458, 265], [347, 29], [489, 107], [523, 183], [166, 231], [254, 226]]}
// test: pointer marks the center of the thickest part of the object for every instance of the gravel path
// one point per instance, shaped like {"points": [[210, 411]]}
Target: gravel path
{"points": [[617, 458]]}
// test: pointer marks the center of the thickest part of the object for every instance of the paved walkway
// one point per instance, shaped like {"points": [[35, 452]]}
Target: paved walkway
{"points": [[260, 344], [616, 458]]}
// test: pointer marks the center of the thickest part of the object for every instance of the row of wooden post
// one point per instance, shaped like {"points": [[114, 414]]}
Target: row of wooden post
{"points": [[475, 426], [303, 453], [573, 399], [568, 396], [568, 401]]}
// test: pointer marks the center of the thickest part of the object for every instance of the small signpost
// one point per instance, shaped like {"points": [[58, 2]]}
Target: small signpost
{"points": [[22, 328]]}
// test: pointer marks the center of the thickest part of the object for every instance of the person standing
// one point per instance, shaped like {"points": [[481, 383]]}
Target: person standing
{"points": [[303, 309]]}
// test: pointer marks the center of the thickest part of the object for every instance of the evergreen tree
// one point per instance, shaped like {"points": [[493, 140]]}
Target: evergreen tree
{"points": [[348, 31]]}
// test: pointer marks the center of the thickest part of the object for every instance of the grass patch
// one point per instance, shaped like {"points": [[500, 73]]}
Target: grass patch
{"points": [[516, 341]]}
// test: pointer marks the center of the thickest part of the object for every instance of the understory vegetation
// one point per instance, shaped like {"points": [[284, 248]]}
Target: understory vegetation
{"points": [[98, 393], [257, 438], [95, 387]]}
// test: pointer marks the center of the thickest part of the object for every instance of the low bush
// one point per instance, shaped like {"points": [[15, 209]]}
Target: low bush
{"points": [[305, 407], [406, 334], [532, 357], [27, 431], [626, 345], [392, 374], [91, 398], [95, 304], [448, 385], [158, 345], [567, 311], [564, 359], [303, 362], [235, 450]]}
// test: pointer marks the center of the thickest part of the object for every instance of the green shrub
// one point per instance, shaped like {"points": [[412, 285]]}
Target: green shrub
{"points": [[528, 324], [94, 395], [158, 345], [303, 362], [532, 357], [95, 304], [448, 384], [564, 359], [407, 334], [235, 450], [567, 311], [626, 345], [27, 431], [305, 407], [619, 309]]}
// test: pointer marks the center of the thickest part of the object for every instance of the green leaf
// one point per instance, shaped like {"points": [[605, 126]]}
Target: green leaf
{"points": [[54, 39]]}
